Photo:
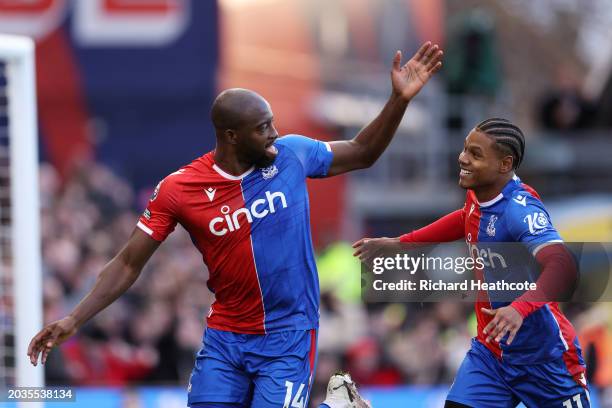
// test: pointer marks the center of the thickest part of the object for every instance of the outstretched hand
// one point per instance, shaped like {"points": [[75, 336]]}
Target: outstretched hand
{"points": [[366, 249], [52, 335], [407, 80]]}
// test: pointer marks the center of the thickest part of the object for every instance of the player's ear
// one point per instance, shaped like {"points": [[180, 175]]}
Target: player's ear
{"points": [[506, 164]]}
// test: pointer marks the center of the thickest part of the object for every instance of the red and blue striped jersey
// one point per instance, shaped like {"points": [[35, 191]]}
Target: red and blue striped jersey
{"points": [[253, 232], [518, 215]]}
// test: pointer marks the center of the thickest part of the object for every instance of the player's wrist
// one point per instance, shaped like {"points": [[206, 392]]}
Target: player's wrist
{"points": [[409, 237], [399, 97], [523, 308], [73, 320]]}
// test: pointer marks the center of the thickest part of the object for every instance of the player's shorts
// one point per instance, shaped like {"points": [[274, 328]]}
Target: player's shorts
{"points": [[254, 370], [483, 381]]}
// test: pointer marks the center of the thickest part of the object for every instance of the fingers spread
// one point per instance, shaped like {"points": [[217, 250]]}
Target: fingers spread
{"points": [[490, 312], [501, 335], [513, 332], [435, 59], [493, 323], [489, 327], [421, 52], [500, 332], [429, 56], [359, 243], [435, 68]]}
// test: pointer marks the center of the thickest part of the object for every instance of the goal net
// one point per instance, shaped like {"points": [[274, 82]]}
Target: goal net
{"points": [[20, 259]]}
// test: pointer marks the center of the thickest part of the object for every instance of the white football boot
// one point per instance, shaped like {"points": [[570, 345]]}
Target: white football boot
{"points": [[342, 393]]}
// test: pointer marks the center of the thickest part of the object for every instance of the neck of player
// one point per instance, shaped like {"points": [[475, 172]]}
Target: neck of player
{"points": [[490, 191], [229, 161]]}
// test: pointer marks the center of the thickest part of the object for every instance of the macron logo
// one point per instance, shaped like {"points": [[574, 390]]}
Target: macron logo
{"points": [[520, 199], [210, 193]]}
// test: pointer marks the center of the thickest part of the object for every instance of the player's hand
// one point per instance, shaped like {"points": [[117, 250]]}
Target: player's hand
{"points": [[506, 320], [366, 249], [52, 335], [407, 80]]}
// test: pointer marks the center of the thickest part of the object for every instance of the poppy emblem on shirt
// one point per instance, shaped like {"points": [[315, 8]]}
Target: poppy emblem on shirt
{"points": [[472, 208], [269, 172]]}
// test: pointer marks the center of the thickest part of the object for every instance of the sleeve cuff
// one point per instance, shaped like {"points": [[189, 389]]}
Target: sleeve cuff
{"points": [[149, 231], [519, 308], [406, 237]]}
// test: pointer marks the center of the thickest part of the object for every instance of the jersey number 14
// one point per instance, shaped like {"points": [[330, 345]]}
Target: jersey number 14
{"points": [[298, 399]]}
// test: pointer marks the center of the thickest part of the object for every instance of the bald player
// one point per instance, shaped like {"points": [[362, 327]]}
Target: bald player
{"points": [[245, 205]]}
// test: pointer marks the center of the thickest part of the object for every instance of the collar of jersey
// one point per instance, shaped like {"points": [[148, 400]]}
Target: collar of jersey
{"points": [[492, 201], [514, 183], [230, 176]]}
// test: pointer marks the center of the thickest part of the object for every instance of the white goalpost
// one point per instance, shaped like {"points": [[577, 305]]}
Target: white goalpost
{"points": [[20, 248]]}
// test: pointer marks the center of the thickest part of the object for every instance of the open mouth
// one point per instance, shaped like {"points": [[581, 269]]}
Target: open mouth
{"points": [[465, 172], [270, 143], [270, 148]]}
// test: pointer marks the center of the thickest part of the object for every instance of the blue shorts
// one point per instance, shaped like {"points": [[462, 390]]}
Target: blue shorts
{"points": [[484, 381], [254, 370]]}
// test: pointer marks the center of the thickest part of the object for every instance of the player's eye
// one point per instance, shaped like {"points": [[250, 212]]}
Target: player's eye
{"points": [[475, 154]]}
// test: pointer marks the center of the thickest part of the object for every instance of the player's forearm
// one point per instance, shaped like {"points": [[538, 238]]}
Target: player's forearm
{"points": [[114, 280], [446, 229], [557, 280], [373, 139]]}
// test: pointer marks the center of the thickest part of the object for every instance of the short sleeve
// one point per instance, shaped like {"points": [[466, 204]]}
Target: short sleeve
{"points": [[159, 218], [315, 156], [529, 222]]}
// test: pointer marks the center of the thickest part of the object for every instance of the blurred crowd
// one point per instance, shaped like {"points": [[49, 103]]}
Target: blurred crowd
{"points": [[151, 334]]}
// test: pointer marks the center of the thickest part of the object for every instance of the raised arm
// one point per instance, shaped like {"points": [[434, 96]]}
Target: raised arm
{"points": [[114, 279], [407, 80]]}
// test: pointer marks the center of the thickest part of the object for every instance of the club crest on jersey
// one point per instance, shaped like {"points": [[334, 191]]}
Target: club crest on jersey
{"points": [[537, 222], [210, 193], [521, 199], [269, 172], [491, 226], [156, 191]]}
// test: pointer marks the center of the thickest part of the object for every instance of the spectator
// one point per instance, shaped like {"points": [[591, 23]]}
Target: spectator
{"points": [[565, 107]]}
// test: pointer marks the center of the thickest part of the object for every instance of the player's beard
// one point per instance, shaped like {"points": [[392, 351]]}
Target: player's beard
{"points": [[267, 158]]}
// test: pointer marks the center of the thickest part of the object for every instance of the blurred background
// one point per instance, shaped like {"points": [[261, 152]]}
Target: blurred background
{"points": [[124, 91]]}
